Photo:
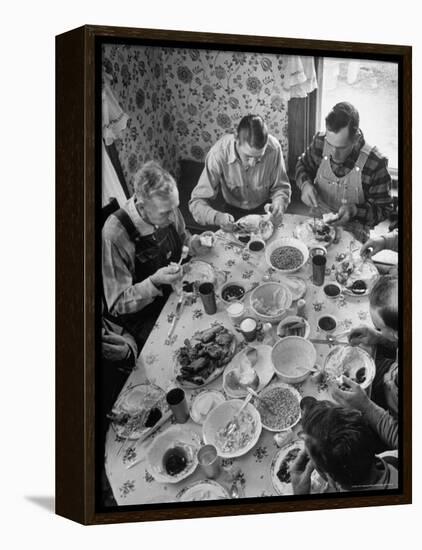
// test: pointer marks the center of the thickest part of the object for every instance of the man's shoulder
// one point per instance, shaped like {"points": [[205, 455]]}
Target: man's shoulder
{"points": [[113, 229], [273, 144], [376, 157]]}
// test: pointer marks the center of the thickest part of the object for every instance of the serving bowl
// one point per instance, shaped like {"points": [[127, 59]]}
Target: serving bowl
{"points": [[267, 294], [293, 358], [226, 286], [218, 420], [284, 242], [174, 437], [283, 412]]}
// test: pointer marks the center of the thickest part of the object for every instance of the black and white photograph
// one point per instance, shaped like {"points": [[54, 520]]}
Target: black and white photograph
{"points": [[250, 276]]}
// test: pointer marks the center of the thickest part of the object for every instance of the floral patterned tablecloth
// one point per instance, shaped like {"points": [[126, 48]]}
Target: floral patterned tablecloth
{"points": [[252, 472]]}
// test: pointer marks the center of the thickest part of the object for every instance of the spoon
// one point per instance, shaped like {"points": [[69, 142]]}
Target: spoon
{"points": [[183, 255], [266, 405]]}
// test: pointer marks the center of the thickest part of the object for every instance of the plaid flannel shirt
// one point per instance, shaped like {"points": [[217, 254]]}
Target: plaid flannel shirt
{"points": [[376, 180]]}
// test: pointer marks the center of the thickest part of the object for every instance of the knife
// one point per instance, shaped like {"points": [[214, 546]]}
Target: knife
{"points": [[176, 315]]}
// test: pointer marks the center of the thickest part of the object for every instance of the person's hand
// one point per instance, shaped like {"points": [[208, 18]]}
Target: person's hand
{"points": [[376, 244], [354, 397], [277, 211], [364, 336], [309, 195], [345, 214], [196, 245], [114, 347], [167, 275], [300, 473], [225, 221]]}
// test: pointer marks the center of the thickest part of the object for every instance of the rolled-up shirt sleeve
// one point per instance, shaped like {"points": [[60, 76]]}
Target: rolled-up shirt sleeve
{"points": [[205, 190], [280, 187], [121, 294], [383, 423], [308, 163]]}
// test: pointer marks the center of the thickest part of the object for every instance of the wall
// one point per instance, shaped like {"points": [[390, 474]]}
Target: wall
{"points": [[180, 101]]}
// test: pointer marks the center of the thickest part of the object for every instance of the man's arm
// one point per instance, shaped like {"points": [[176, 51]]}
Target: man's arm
{"points": [[121, 295], [308, 162], [280, 187], [385, 425], [206, 189], [378, 202]]}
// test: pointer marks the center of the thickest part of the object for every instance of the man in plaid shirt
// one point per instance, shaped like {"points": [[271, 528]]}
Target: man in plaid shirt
{"points": [[339, 172]]}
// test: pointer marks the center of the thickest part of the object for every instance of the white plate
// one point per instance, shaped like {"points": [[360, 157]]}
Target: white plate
{"points": [[350, 359], [220, 417], [256, 224], [261, 406], [174, 436], [263, 367], [283, 488], [206, 489], [136, 399], [296, 285], [216, 398], [304, 232]]}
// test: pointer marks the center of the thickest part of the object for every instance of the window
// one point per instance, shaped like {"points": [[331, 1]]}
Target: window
{"points": [[372, 87]]}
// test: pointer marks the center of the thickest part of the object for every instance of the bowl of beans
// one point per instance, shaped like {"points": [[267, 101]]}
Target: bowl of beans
{"points": [[287, 255]]}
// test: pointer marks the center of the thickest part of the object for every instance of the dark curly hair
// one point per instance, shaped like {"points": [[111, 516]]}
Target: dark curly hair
{"points": [[384, 297]]}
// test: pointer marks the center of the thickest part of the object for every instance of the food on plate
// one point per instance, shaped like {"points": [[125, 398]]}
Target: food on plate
{"points": [[344, 270], [359, 287], [204, 403], [283, 473], [244, 238], [292, 328], [352, 362], [296, 285], [175, 460], [208, 352], [271, 305], [206, 240], [138, 409], [321, 230], [279, 408], [286, 257], [206, 489], [232, 292], [236, 435]]}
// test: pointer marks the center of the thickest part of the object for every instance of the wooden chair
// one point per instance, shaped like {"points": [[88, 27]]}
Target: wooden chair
{"points": [[108, 209]]}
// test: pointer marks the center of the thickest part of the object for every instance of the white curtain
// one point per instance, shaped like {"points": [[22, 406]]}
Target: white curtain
{"points": [[114, 122], [300, 76]]}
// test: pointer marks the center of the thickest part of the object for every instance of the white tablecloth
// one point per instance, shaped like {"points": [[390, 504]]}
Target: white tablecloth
{"points": [[156, 364]]}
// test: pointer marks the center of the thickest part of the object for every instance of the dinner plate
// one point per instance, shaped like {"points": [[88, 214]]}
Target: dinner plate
{"points": [[296, 285], [304, 232], [135, 400], [366, 272], [177, 436], [348, 360], [214, 375], [255, 224], [206, 489], [284, 486], [206, 400], [263, 367]]}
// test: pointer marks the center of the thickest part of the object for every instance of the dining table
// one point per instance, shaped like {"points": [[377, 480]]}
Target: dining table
{"points": [[250, 475]]}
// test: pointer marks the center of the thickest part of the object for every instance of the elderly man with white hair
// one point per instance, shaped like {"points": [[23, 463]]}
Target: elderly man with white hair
{"points": [[141, 244]]}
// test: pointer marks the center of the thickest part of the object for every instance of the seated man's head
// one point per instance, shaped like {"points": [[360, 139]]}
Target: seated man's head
{"points": [[156, 194], [251, 140], [339, 441], [342, 127], [384, 306]]}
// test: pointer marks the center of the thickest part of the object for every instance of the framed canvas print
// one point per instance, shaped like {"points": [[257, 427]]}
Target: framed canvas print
{"points": [[233, 274]]}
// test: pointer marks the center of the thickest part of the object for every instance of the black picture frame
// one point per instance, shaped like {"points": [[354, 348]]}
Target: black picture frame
{"points": [[77, 176]]}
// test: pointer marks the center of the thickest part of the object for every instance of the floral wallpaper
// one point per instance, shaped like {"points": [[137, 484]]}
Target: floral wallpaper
{"points": [[181, 101]]}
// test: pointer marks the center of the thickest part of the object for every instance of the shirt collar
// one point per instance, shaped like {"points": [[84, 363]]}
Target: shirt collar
{"points": [[233, 157]]}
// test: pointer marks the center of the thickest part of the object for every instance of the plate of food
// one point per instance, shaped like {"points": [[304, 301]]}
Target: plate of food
{"points": [[203, 403], [357, 277], [315, 231], [293, 325], [351, 361], [279, 407], [296, 285], [173, 455], [231, 433], [286, 254], [235, 376], [206, 489], [137, 410], [269, 301], [196, 272], [203, 358], [255, 224]]}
